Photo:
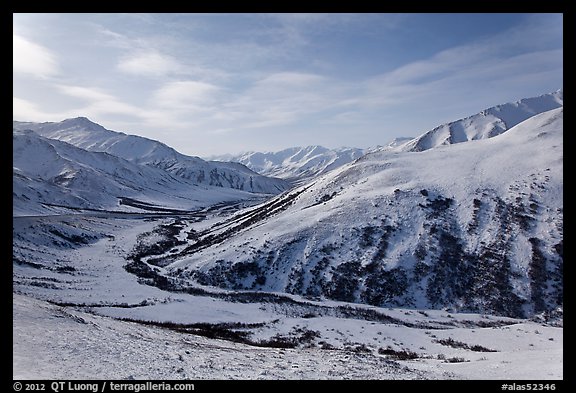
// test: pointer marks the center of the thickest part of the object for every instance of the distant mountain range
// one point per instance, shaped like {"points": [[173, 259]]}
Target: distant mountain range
{"points": [[302, 163], [78, 163], [296, 162]]}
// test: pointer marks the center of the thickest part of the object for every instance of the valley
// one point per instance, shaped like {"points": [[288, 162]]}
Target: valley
{"points": [[77, 279], [438, 262]]}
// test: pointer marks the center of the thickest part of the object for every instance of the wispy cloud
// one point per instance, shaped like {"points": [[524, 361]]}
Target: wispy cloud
{"points": [[469, 71], [33, 59], [100, 102], [26, 110], [277, 99], [86, 93], [149, 63], [186, 94], [253, 75]]}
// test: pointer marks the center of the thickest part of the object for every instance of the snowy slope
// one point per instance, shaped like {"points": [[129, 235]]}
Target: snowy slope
{"points": [[394, 144], [474, 226], [296, 162], [51, 172], [95, 347], [87, 135], [463, 241], [486, 124], [116, 327]]}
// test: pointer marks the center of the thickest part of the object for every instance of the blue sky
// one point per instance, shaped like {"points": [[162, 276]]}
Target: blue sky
{"points": [[210, 84]]}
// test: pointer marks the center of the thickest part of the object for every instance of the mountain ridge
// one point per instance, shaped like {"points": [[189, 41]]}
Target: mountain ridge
{"points": [[50, 175], [90, 136], [487, 123], [304, 163], [471, 226], [299, 163]]}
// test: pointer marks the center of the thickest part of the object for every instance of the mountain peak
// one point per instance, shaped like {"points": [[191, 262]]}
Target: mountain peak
{"points": [[85, 134], [296, 162], [487, 123], [82, 122]]}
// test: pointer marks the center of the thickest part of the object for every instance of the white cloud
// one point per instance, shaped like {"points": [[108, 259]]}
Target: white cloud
{"points": [[32, 59], [87, 93], [291, 80], [145, 56], [286, 95], [279, 99], [275, 99], [264, 71], [469, 71], [186, 94], [115, 107], [25, 110], [99, 102], [149, 63]]}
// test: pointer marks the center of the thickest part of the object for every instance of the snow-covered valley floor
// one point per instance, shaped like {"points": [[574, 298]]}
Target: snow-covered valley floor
{"points": [[55, 343], [52, 342], [78, 314]]}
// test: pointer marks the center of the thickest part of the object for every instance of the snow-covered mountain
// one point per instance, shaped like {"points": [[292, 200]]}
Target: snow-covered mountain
{"points": [[439, 264], [49, 174], [475, 226], [303, 163], [90, 136], [296, 162], [394, 144], [486, 124]]}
